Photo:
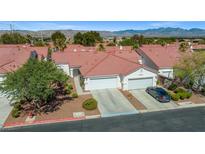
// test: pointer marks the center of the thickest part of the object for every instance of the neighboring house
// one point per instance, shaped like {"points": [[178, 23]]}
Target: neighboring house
{"points": [[160, 58]]}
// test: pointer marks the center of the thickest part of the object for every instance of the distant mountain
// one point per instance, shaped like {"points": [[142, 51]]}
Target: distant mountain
{"points": [[164, 32], [159, 32]]}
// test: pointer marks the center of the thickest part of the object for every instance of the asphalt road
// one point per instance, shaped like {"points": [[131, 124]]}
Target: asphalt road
{"points": [[180, 120]]}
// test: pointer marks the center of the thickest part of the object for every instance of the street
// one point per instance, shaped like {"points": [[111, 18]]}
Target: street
{"points": [[182, 120]]}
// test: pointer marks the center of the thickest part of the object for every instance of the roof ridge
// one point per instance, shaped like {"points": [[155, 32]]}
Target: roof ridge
{"points": [[97, 63], [7, 63], [125, 59]]}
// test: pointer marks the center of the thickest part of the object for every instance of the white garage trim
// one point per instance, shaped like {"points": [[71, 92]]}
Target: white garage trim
{"points": [[166, 72], [141, 73], [140, 83], [94, 83]]}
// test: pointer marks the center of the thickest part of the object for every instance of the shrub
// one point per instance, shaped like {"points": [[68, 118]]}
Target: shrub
{"points": [[68, 91], [15, 113], [69, 86], [182, 95], [17, 106], [179, 90], [173, 86], [90, 104], [188, 95], [174, 96], [74, 95]]}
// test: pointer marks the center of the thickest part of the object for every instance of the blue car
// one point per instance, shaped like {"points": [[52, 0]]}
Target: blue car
{"points": [[159, 94]]}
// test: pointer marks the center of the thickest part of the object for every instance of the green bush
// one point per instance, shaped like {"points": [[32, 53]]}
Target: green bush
{"points": [[74, 95], [182, 95], [68, 91], [188, 95], [179, 90], [15, 113], [90, 104], [173, 86], [69, 86], [174, 96], [17, 106]]}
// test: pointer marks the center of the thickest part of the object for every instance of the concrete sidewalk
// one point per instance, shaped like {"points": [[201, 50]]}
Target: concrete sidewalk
{"points": [[5, 109]]}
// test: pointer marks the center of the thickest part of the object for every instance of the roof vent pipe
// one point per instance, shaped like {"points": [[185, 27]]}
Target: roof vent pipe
{"points": [[140, 61]]}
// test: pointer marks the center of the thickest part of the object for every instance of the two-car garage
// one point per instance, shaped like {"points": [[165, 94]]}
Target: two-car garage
{"points": [[139, 79]]}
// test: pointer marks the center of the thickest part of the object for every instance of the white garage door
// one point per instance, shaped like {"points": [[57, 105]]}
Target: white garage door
{"points": [[102, 83], [141, 83]]}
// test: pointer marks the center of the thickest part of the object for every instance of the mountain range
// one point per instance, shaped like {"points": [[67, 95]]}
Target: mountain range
{"points": [[158, 32]]}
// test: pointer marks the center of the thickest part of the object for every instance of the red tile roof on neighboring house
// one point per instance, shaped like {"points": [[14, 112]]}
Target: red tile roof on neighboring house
{"points": [[14, 56], [113, 60], [198, 46], [162, 56]]}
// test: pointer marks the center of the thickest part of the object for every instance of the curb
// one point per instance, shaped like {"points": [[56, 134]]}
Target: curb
{"points": [[93, 116], [19, 124]]}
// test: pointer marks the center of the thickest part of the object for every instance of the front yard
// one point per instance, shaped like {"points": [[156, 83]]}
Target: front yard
{"points": [[68, 108]]}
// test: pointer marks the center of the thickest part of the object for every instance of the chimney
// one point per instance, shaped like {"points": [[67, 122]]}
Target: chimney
{"points": [[140, 61]]}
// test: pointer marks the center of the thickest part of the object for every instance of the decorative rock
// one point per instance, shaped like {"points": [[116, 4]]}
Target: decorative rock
{"points": [[78, 114]]}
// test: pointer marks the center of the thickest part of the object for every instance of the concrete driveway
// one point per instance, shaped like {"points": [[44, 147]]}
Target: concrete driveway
{"points": [[5, 109], [111, 102], [150, 103]]}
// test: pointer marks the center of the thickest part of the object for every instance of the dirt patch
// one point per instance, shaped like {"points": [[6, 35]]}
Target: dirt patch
{"points": [[65, 111], [133, 100]]}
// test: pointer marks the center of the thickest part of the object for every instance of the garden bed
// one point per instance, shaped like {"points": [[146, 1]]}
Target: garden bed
{"points": [[65, 111], [196, 99], [133, 100]]}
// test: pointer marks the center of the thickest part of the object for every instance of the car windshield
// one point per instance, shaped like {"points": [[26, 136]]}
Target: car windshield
{"points": [[161, 91]]}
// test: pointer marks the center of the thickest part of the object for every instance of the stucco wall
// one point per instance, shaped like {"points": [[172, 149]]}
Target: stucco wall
{"points": [[164, 72], [65, 68], [146, 60], [141, 73]]}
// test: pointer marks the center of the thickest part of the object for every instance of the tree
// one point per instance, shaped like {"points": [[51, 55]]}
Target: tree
{"points": [[184, 46], [34, 85], [191, 67], [13, 38], [88, 38], [101, 47], [59, 40], [78, 38], [135, 46]]}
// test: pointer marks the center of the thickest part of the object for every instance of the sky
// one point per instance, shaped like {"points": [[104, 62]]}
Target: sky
{"points": [[98, 25]]}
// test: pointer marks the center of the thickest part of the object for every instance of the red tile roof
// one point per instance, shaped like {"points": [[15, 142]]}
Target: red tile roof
{"points": [[198, 46], [91, 61], [163, 56]]}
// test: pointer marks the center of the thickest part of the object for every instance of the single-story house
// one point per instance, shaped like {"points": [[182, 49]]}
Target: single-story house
{"points": [[160, 58], [116, 67]]}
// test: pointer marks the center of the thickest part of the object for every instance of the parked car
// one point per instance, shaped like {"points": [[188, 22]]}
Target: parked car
{"points": [[159, 94]]}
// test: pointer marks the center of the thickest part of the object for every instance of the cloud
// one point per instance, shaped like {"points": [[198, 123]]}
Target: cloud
{"points": [[165, 24]]}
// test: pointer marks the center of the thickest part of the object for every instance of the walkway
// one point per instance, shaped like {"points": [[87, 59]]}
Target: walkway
{"points": [[78, 87]]}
